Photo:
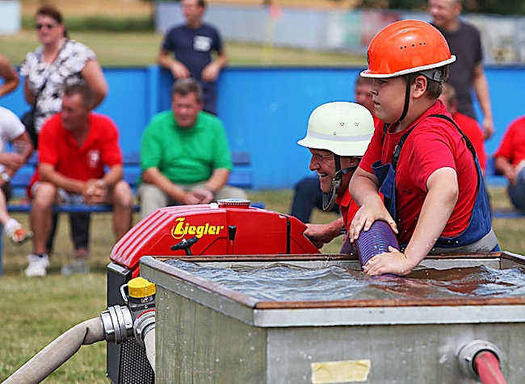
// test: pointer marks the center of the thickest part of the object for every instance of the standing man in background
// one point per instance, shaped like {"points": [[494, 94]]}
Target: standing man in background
{"points": [[192, 44], [465, 43]]}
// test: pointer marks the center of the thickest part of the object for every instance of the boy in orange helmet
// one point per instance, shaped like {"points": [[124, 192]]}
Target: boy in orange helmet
{"points": [[425, 167]]}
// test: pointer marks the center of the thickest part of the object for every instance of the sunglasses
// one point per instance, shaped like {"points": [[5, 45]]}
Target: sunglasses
{"points": [[45, 26]]}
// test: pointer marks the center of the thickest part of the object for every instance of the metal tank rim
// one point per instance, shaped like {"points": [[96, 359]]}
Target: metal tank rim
{"points": [[339, 312]]}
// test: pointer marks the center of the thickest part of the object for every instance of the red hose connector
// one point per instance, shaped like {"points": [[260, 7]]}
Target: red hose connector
{"points": [[486, 364], [480, 360]]}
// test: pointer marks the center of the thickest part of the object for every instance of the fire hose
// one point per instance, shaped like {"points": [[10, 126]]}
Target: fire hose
{"points": [[487, 365], [58, 352], [117, 324], [375, 241]]}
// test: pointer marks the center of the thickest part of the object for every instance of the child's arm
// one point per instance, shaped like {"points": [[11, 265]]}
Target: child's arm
{"points": [[363, 188], [441, 198]]}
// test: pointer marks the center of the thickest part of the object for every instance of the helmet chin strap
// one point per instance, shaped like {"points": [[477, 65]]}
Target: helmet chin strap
{"points": [[407, 102], [330, 197]]}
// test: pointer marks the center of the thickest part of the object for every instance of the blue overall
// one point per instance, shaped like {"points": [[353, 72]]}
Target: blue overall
{"points": [[480, 222]]}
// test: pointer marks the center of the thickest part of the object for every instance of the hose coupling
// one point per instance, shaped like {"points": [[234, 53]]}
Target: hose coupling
{"points": [[144, 323], [118, 324], [468, 352]]}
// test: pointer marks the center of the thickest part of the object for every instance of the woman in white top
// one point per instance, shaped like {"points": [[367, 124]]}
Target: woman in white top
{"points": [[57, 62]]}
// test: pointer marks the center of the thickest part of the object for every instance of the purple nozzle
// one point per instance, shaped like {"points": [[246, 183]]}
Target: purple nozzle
{"points": [[375, 241]]}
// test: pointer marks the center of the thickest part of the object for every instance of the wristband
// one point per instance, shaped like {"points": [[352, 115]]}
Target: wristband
{"points": [[5, 177]]}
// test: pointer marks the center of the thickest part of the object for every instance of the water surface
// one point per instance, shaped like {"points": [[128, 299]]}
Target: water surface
{"points": [[285, 282]]}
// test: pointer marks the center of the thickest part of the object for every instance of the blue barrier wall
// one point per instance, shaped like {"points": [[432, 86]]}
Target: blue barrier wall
{"points": [[265, 110]]}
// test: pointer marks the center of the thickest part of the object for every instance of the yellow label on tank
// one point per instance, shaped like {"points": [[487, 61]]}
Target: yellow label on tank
{"points": [[332, 372]]}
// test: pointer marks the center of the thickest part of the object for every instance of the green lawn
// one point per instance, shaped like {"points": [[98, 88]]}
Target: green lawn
{"points": [[36, 311], [141, 49]]}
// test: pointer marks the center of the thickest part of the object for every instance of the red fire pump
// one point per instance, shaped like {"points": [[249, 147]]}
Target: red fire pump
{"points": [[231, 227], [228, 228]]}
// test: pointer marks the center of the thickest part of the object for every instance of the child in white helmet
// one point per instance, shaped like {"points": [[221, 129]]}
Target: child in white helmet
{"points": [[337, 136]]}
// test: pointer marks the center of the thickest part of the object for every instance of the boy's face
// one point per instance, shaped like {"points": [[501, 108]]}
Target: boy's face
{"points": [[388, 96]]}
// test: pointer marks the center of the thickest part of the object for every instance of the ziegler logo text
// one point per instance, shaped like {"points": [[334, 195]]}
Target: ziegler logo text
{"points": [[182, 228]]}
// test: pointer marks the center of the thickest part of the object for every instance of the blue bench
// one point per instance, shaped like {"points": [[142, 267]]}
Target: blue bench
{"points": [[496, 179], [241, 177], [493, 177]]}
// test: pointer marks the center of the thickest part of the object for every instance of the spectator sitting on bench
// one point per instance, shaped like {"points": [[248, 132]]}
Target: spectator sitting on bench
{"points": [[74, 147], [184, 154], [12, 130], [468, 125], [510, 161]]}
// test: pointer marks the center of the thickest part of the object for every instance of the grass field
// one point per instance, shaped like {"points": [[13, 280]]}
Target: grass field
{"points": [[142, 48], [36, 311]]}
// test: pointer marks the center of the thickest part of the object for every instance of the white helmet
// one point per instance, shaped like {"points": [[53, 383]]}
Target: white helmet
{"points": [[340, 127]]}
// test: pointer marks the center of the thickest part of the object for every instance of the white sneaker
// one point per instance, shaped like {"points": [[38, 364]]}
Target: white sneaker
{"points": [[37, 265]]}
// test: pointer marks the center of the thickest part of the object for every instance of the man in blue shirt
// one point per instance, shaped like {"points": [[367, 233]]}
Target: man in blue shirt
{"points": [[192, 44], [467, 71]]}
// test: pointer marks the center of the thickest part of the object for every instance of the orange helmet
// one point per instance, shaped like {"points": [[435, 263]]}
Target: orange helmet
{"points": [[407, 46]]}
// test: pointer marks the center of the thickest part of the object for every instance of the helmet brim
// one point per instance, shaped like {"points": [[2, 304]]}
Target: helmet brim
{"points": [[369, 74], [344, 148]]}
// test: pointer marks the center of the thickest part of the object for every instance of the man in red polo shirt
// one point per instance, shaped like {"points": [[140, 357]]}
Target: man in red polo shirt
{"points": [[510, 160], [75, 146]]}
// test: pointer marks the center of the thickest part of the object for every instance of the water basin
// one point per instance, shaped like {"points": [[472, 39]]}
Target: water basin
{"points": [[318, 319]]}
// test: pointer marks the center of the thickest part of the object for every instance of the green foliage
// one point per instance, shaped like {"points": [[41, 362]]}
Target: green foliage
{"points": [[101, 23], [513, 7], [126, 49]]}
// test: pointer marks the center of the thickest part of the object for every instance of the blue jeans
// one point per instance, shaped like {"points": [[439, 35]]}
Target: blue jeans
{"points": [[517, 192]]}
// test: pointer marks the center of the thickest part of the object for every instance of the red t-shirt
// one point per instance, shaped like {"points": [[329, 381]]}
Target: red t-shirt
{"points": [[58, 148], [512, 146], [471, 128], [433, 144], [348, 208]]}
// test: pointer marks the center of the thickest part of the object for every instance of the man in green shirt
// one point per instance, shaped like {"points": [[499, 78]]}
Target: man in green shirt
{"points": [[184, 154]]}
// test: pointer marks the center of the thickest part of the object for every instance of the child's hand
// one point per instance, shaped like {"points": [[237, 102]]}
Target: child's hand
{"points": [[365, 217], [394, 262]]}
